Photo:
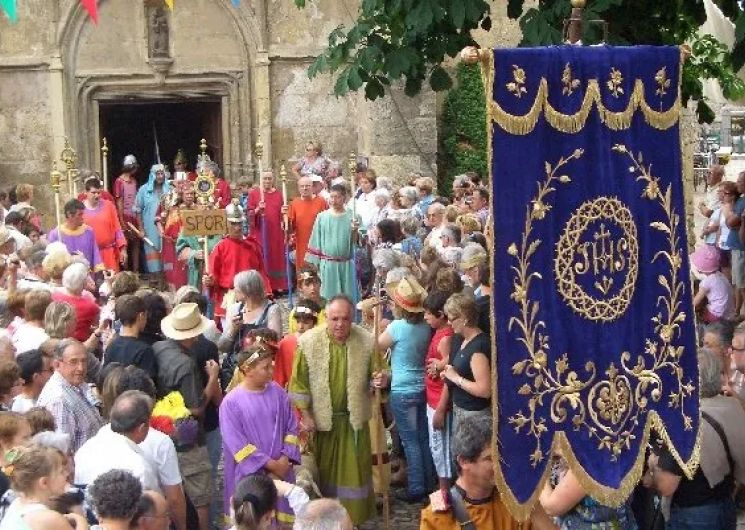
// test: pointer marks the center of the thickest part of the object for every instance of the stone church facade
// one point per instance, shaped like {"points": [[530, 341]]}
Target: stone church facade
{"points": [[207, 69]]}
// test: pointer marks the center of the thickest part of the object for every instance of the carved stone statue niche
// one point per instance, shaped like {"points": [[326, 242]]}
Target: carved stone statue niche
{"points": [[158, 32]]}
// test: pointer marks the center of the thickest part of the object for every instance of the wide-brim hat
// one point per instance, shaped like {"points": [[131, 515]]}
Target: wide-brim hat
{"points": [[409, 295], [184, 322], [706, 259]]}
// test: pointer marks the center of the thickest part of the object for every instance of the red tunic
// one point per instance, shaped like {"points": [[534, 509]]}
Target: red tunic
{"points": [[175, 270], [275, 237], [228, 258], [283, 360], [104, 221], [223, 196], [302, 215]]}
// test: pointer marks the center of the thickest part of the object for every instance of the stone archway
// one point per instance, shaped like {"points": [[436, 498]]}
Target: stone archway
{"points": [[213, 50]]}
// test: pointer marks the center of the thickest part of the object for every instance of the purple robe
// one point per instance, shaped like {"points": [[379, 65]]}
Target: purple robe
{"points": [[256, 427], [80, 241]]}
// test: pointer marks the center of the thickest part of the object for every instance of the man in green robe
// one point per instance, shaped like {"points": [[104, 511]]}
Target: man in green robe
{"points": [[330, 384], [191, 250], [331, 246]]}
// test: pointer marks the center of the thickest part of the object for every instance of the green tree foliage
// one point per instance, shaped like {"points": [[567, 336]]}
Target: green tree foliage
{"points": [[464, 133], [407, 40]]}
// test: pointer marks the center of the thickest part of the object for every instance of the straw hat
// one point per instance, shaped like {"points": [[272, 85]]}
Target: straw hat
{"points": [[706, 259], [184, 322], [409, 295]]}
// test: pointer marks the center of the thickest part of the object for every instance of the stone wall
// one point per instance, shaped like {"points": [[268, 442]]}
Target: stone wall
{"points": [[55, 67]]}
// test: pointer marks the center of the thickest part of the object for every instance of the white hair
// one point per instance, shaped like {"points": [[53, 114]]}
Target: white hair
{"points": [[410, 193], [385, 183], [381, 193], [75, 277], [182, 292], [250, 283]]}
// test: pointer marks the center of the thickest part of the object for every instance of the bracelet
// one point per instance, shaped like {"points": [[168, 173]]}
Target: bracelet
{"points": [[460, 381]]}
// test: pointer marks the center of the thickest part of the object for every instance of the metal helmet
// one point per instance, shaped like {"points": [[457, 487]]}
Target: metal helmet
{"points": [[130, 162], [234, 213]]}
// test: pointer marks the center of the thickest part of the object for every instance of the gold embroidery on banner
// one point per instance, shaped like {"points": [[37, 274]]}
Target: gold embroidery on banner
{"points": [[570, 84], [615, 79], [613, 407], [663, 83], [573, 123], [602, 258], [517, 86]]}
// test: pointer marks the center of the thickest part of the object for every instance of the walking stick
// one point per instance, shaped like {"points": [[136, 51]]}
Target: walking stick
{"points": [[286, 228], [264, 247], [379, 442], [353, 186]]}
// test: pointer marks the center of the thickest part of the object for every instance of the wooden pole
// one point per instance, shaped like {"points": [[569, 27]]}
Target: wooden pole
{"points": [[381, 442], [286, 228]]}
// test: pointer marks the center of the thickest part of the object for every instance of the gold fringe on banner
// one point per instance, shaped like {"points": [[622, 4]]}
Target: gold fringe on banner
{"points": [[573, 123]]}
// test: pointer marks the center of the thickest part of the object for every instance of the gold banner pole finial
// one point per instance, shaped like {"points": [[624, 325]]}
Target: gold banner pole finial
{"points": [[105, 164], [70, 157], [54, 178], [259, 150]]}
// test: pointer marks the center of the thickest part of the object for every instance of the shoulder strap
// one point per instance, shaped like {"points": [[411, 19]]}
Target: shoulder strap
{"points": [[723, 437], [459, 510]]}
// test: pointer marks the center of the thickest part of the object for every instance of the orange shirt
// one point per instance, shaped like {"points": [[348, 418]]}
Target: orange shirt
{"points": [[487, 516], [302, 214]]}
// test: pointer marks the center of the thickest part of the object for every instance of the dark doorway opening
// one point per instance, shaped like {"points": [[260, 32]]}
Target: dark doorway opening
{"points": [[130, 128]]}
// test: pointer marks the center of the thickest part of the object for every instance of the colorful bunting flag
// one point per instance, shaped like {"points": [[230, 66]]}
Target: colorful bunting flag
{"points": [[9, 6], [90, 6]]}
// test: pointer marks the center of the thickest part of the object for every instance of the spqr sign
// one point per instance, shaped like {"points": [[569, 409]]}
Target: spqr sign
{"points": [[204, 222]]}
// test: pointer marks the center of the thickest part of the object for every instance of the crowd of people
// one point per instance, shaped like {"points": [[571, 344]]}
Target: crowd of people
{"points": [[192, 398]]}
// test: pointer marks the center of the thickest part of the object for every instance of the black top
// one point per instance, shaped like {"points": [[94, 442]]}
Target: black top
{"points": [[695, 492], [483, 305], [461, 361], [202, 351], [130, 351]]}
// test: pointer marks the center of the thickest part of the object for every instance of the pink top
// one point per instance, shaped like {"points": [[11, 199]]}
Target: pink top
{"points": [[126, 191], [719, 295]]}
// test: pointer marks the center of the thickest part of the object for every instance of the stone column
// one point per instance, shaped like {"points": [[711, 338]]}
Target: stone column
{"points": [[57, 105], [263, 106]]}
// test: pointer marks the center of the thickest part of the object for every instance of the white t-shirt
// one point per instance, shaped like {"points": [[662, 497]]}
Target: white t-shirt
{"points": [[108, 450], [28, 337], [719, 295], [158, 448], [22, 404]]}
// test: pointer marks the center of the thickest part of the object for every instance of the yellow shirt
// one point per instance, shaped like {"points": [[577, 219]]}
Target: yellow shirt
{"points": [[293, 322]]}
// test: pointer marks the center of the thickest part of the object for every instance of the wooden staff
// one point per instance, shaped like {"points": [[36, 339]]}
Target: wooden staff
{"points": [[105, 164], [286, 228], [352, 184], [377, 431]]}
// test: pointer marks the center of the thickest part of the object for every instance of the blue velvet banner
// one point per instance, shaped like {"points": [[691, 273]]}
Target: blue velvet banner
{"points": [[594, 328]]}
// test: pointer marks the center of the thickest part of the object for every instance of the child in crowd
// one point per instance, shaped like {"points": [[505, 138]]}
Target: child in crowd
{"points": [[258, 426], [715, 297], [38, 474], [411, 245], [256, 337], [306, 317], [309, 288], [438, 355]]}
